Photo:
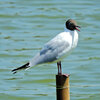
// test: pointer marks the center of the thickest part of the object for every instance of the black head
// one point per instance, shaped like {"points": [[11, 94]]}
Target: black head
{"points": [[72, 25]]}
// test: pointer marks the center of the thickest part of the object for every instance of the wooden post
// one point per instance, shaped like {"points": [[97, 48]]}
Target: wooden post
{"points": [[62, 87]]}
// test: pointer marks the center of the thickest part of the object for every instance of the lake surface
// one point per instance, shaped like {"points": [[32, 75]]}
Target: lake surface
{"points": [[25, 26]]}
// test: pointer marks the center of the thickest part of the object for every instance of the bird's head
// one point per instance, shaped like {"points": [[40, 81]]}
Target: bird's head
{"points": [[72, 25]]}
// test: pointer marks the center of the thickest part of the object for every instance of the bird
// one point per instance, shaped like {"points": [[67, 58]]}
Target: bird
{"points": [[57, 48]]}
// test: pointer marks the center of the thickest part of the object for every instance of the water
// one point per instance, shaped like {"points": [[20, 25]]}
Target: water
{"points": [[25, 25]]}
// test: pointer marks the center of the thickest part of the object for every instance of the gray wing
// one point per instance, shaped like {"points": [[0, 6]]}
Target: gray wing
{"points": [[53, 49]]}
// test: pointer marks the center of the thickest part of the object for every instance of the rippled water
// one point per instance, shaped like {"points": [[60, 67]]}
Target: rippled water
{"points": [[25, 25]]}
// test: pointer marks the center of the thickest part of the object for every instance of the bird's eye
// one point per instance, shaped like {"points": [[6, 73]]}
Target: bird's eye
{"points": [[72, 26]]}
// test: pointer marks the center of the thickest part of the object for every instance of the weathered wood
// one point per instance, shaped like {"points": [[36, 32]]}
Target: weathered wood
{"points": [[62, 87]]}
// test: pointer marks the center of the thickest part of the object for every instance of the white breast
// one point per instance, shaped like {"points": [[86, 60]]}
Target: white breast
{"points": [[74, 39]]}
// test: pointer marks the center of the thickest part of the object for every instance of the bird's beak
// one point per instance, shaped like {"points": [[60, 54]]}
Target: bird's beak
{"points": [[77, 28]]}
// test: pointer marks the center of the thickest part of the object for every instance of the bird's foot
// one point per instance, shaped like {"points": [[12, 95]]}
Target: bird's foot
{"points": [[66, 75]]}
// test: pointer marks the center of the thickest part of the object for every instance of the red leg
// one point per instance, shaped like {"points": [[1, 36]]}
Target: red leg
{"points": [[59, 68]]}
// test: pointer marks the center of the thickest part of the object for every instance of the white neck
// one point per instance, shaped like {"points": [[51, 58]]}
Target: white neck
{"points": [[66, 30]]}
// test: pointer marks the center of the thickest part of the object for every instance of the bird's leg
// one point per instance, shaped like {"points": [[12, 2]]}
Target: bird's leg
{"points": [[59, 68]]}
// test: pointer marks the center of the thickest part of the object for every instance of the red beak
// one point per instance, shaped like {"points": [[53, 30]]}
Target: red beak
{"points": [[77, 28]]}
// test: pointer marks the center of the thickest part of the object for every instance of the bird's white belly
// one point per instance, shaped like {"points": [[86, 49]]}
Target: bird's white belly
{"points": [[73, 43], [74, 39]]}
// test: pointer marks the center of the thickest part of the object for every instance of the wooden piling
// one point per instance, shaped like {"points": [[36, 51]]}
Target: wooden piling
{"points": [[62, 87]]}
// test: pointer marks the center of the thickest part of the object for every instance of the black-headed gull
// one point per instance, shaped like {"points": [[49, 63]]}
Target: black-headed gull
{"points": [[57, 48]]}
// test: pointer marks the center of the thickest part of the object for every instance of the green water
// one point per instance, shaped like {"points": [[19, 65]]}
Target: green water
{"points": [[25, 25]]}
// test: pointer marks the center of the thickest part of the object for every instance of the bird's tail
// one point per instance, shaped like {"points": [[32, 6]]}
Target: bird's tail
{"points": [[20, 68]]}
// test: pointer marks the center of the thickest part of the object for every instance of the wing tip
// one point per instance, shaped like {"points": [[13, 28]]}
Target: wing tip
{"points": [[14, 71]]}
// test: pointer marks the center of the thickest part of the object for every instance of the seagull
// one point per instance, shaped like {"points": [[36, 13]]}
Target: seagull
{"points": [[57, 48]]}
